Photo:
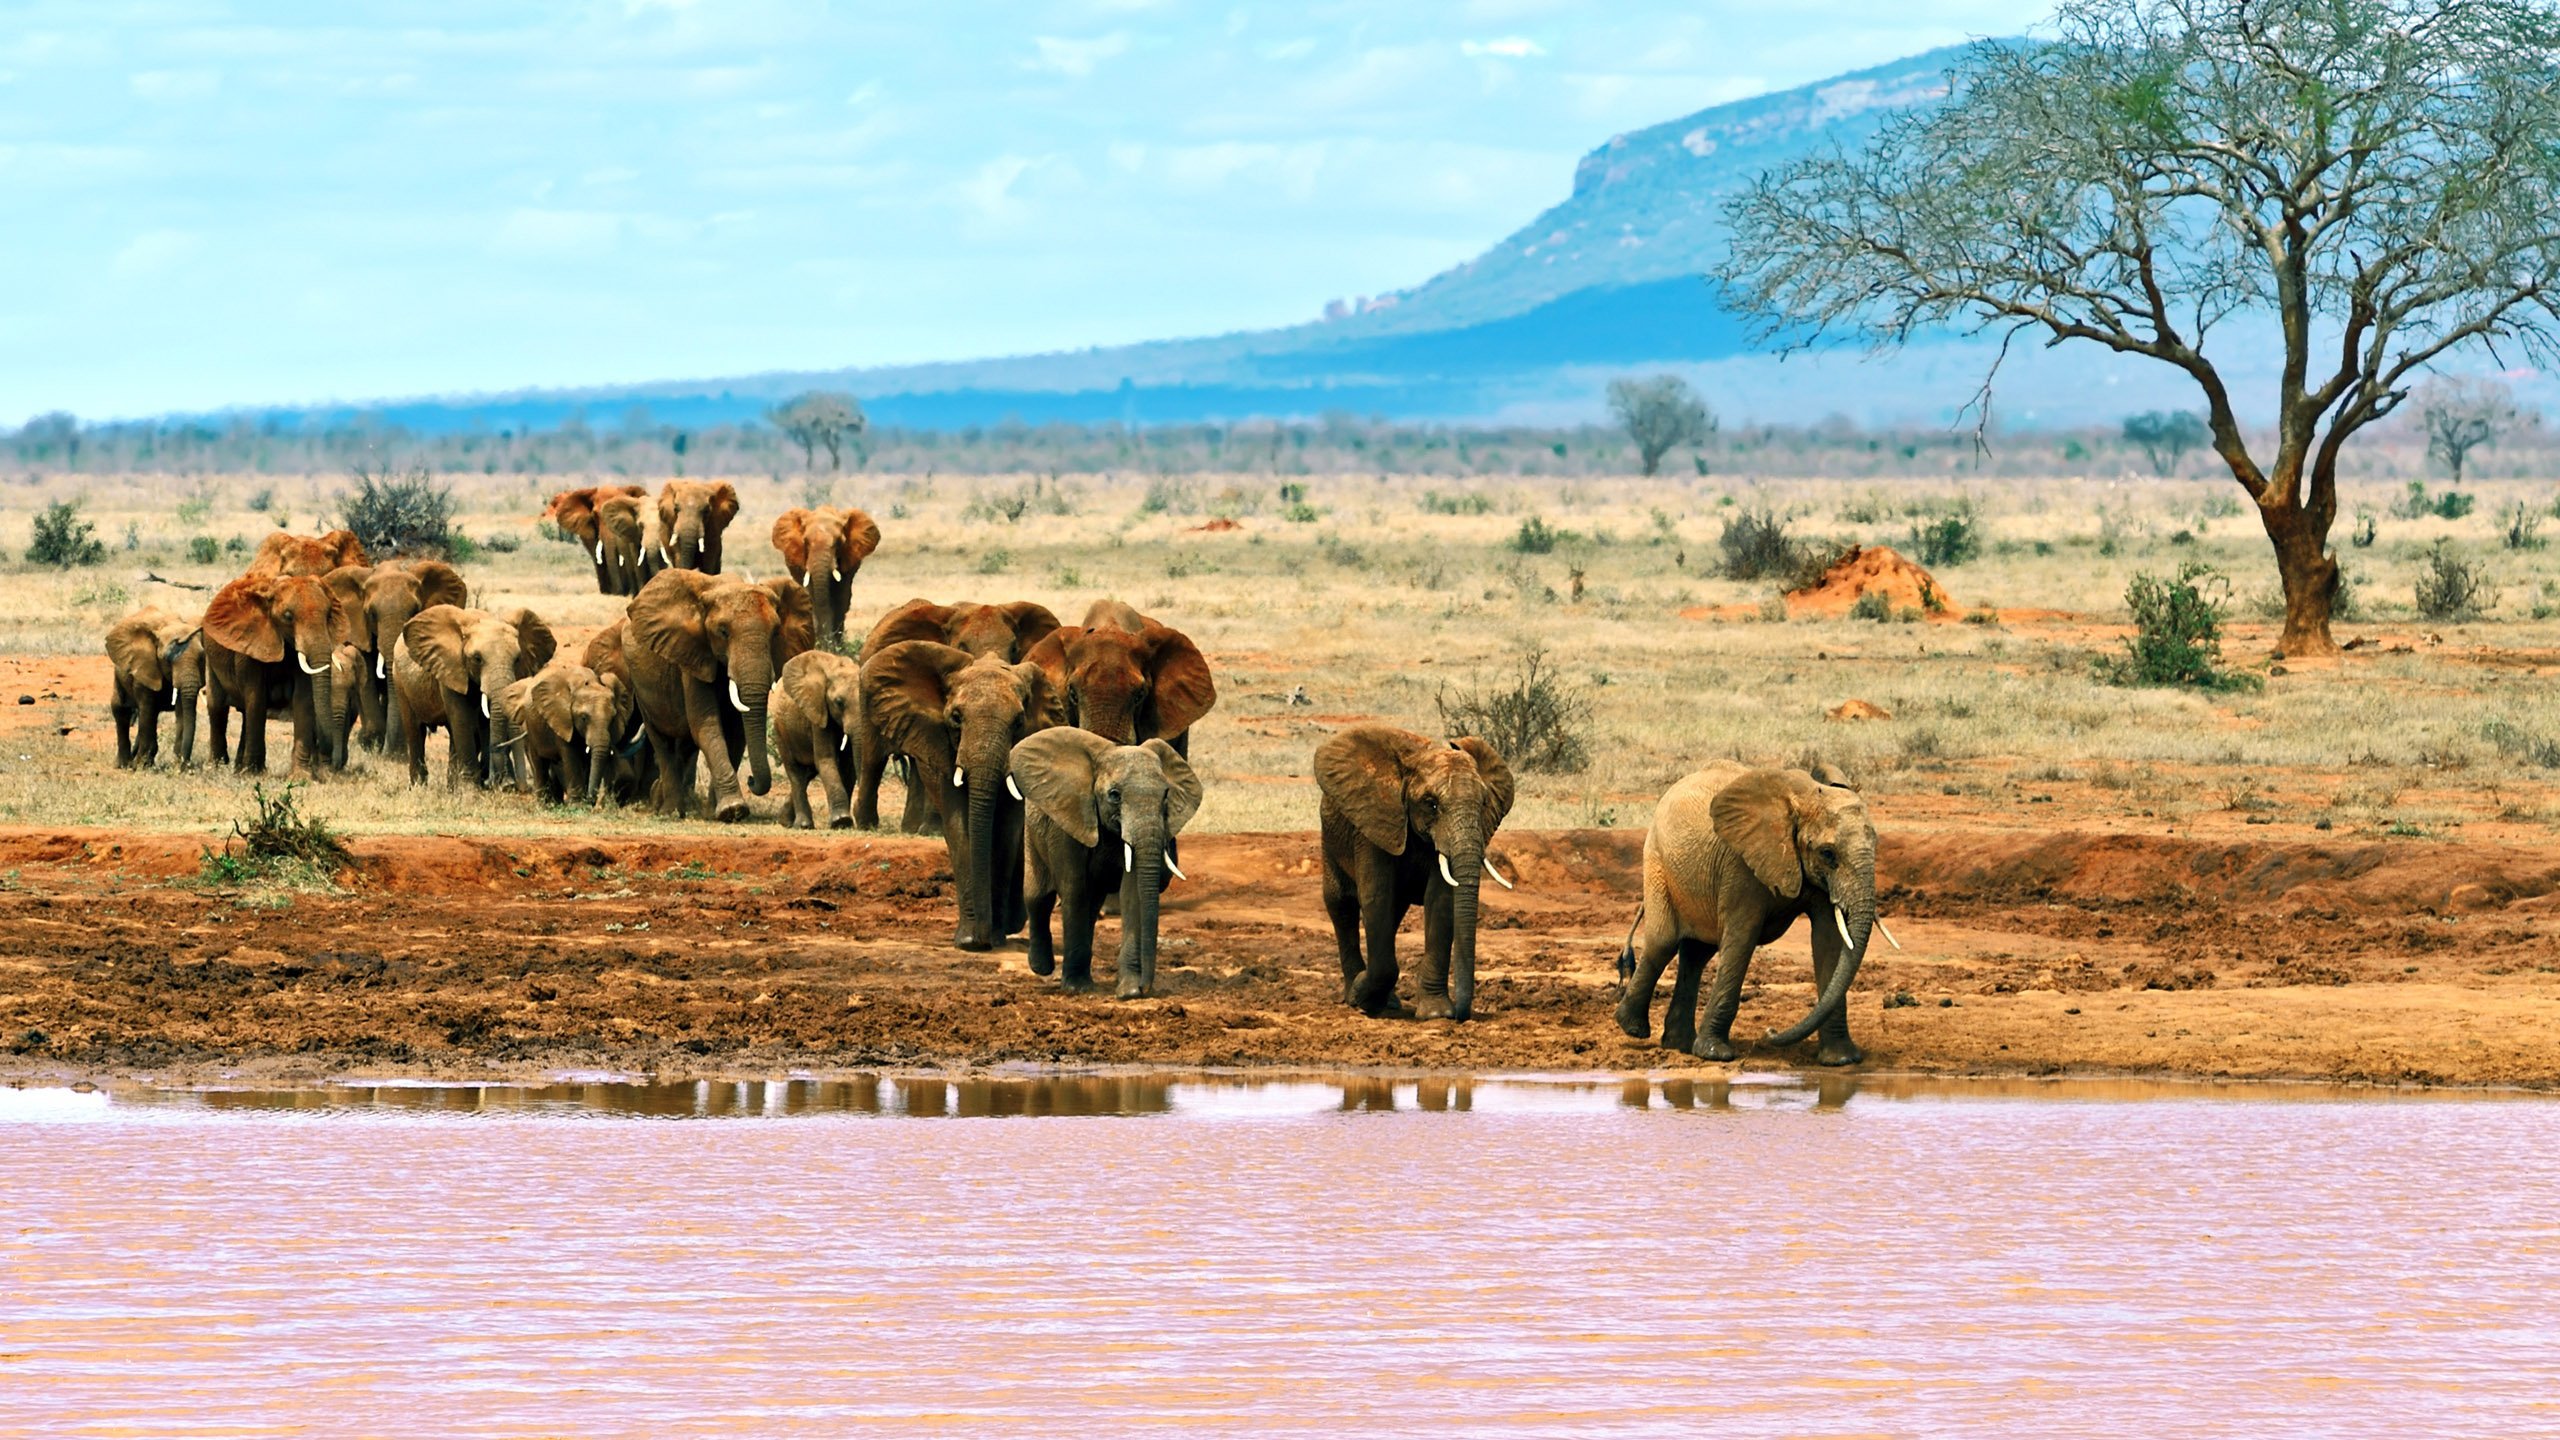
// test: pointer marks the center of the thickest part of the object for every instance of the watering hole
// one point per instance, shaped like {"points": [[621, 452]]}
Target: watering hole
{"points": [[1221, 1254]]}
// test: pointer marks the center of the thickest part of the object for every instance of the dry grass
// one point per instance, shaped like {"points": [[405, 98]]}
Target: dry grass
{"points": [[1370, 604]]}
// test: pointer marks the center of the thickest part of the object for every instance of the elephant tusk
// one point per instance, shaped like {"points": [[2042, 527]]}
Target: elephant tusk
{"points": [[380, 670], [1840, 918], [844, 741], [1888, 935], [307, 667], [839, 575], [1176, 869], [956, 777], [1128, 856], [484, 706], [1445, 875], [1497, 876], [737, 699], [1012, 789], [599, 552], [670, 560]]}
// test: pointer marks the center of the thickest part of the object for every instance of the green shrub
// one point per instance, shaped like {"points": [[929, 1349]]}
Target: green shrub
{"points": [[1949, 539], [1435, 503], [278, 845], [264, 500], [1872, 606], [2452, 588], [63, 538], [236, 545], [1533, 717], [1756, 546], [2177, 639], [203, 549], [1299, 512], [995, 562], [194, 509], [503, 543], [2523, 745], [1536, 537], [401, 513], [2523, 527], [2417, 504], [2366, 531]]}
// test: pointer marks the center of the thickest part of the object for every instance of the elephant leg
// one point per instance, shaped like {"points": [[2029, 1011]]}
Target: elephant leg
{"points": [[124, 732], [1836, 1047], [1044, 899], [413, 737], [711, 739], [797, 778], [874, 763], [186, 739], [461, 743], [1342, 907], [1010, 912], [664, 797], [217, 740], [1656, 937], [253, 728], [1680, 1017], [146, 741], [1431, 1002], [833, 775], [1380, 913], [923, 816], [1724, 998], [1075, 926]]}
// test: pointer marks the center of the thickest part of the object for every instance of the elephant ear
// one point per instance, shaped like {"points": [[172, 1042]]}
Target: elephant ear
{"points": [[1496, 775], [1031, 622], [670, 620], [440, 584], [1054, 770], [805, 682], [1182, 785], [575, 512], [1179, 686], [434, 638], [1826, 773], [1044, 704], [918, 619], [667, 509], [1051, 656], [1756, 816], [791, 537], [554, 701], [797, 634], [346, 587], [624, 701], [861, 536], [905, 691], [604, 650], [135, 648], [516, 701], [537, 642], [238, 619], [724, 505], [1363, 772], [343, 548]]}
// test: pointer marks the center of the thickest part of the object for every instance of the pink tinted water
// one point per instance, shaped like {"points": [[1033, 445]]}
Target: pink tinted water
{"points": [[1201, 1257]]}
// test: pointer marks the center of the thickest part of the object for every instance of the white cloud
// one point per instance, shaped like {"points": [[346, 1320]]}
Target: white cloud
{"points": [[170, 85], [1075, 58], [153, 252], [1283, 50], [556, 234], [1508, 47], [989, 192]]}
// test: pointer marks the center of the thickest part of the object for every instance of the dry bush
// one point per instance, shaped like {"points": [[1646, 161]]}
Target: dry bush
{"points": [[1533, 716]]}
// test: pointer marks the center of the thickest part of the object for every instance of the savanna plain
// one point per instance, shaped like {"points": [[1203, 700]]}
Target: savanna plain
{"points": [[2338, 869]]}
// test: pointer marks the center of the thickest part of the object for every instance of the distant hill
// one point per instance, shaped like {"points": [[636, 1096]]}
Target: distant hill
{"points": [[1608, 280]]}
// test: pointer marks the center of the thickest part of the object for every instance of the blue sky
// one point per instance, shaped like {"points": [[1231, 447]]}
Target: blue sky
{"points": [[211, 204]]}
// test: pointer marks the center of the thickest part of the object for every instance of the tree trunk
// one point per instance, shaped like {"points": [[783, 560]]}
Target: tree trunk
{"points": [[2310, 576]]}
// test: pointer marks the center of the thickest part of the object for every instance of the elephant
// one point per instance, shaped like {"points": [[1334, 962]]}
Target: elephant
{"points": [[451, 666], [269, 642], [623, 525], [703, 653], [1127, 678], [824, 549], [632, 770], [1734, 855], [691, 516], [569, 723], [1099, 818], [283, 554], [351, 713], [815, 723], [394, 592], [159, 665], [1406, 820], [956, 719], [346, 674], [1007, 632], [579, 514]]}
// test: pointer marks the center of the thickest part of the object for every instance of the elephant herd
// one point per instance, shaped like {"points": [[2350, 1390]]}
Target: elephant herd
{"points": [[1054, 759]]}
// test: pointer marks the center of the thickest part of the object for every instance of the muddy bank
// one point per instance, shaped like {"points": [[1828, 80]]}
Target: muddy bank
{"points": [[2029, 952]]}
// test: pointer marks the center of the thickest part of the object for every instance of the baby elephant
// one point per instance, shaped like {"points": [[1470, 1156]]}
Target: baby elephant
{"points": [[159, 665], [1734, 856], [569, 723], [1406, 821], [1100, 818], [817, 712]]}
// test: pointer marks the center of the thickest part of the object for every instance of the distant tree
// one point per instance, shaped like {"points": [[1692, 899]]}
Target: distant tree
{"points": [[2166, 436], [56, 432], [1660, 415], [2374, 178], [2463, 413], [821, 418]]}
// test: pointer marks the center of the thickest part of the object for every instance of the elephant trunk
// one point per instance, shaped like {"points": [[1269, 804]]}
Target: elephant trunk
{"points": [[750, 688], [822, 589], [495, 677], [329, 737], [688, 546], [1462, 944], [1139, 894], [1853, 902], [978, 885]]}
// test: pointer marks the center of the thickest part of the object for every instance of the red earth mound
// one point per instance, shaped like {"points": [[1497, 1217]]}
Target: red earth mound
{"points": [[1872, 570]]}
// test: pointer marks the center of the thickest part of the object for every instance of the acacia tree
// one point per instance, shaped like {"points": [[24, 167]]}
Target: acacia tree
{"points": [[2463, 413], [821, 417], [2377, 179], [2166, 436], [1660, 414]]}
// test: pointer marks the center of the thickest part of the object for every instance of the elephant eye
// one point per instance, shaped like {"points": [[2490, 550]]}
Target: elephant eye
{"points": [[1830, 854]]}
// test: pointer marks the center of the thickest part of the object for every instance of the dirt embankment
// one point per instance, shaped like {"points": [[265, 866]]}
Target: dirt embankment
{"points": [[2026, 952]]}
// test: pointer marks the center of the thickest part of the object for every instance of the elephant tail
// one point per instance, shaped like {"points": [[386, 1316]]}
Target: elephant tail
{"points": [[1627, 951]]}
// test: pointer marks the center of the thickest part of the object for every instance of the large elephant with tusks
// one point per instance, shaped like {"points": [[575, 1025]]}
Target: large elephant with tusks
{"points": [[703, 652], [1406, 821]]}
